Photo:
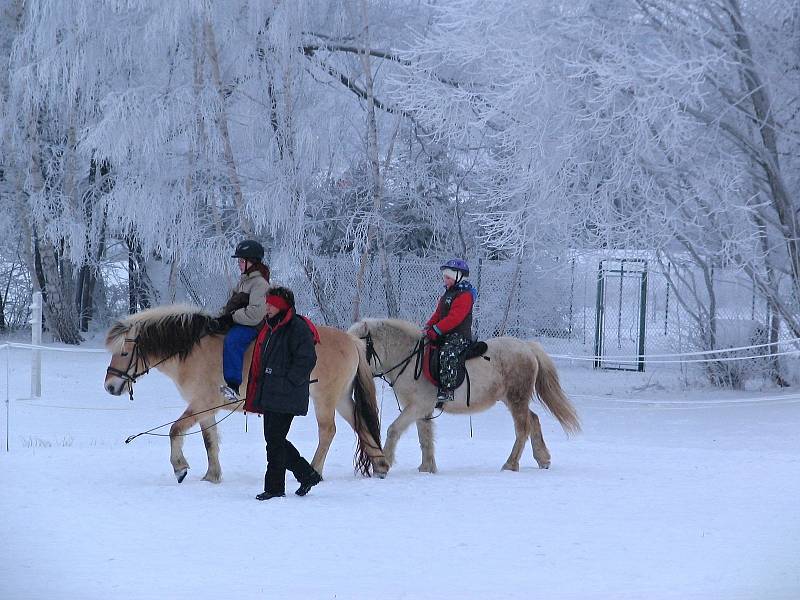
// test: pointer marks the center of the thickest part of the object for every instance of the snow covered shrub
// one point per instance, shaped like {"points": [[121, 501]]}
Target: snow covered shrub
{"points": [[738, 333]]}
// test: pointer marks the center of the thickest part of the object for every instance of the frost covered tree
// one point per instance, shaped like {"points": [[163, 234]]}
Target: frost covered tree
{"points": [[629, 125], [46, 104], [708, 94], [159, 134]]}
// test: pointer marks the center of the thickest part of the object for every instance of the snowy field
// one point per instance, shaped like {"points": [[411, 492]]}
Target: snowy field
{"points": [[665, 495]]}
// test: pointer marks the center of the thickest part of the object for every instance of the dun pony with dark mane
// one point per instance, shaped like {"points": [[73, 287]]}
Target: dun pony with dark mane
{"points": [[175, 340]]}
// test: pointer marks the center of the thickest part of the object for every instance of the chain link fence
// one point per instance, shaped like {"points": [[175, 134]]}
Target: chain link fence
{"points": [[553, 301]]}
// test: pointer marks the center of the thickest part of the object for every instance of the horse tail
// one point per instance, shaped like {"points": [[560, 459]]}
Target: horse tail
{"points": [[551, 395], [365, 413]]}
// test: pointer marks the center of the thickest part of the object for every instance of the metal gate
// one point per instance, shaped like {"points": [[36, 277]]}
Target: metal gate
{"points": [[620, 314]]}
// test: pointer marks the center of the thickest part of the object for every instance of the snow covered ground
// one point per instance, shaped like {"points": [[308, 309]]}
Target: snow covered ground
{"points": [[665, 495]]}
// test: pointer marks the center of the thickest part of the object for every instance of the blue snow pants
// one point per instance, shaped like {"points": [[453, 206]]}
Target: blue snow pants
{"points": [[236, 342]]}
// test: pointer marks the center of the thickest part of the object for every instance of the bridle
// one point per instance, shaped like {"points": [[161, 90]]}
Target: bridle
{"points": [[417, 353], [136, 356]]}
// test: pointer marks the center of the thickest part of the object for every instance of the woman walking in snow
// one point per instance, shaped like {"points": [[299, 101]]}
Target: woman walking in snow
{"points": [[277, 387]]}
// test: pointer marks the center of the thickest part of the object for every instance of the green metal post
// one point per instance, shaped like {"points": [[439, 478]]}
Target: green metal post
{"points": [[642, 316], [599, 316]]}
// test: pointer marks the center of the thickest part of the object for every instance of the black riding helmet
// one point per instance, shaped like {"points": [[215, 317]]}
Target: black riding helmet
{"points": [[249, 249]]}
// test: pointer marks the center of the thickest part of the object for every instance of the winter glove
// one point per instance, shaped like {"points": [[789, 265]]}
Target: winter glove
{"points": [[237, 300]]}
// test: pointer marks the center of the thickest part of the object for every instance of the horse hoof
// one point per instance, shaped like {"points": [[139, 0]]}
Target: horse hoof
{"points": [[544, 465], [381, 475], [181, 474], [212, 478]]}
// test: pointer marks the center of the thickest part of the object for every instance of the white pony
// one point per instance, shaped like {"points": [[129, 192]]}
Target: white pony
{"points": [[516, 370]]}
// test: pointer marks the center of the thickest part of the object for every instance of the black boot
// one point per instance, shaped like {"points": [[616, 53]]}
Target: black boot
{"points": [[269, 495], [443, 396], [306, 486]]}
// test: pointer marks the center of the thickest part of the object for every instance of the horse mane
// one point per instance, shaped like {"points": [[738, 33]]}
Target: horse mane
{"points": [[406, 327], [172, 330]]}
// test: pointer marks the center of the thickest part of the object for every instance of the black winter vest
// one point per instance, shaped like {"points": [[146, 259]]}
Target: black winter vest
{"points": [[446, 301]]}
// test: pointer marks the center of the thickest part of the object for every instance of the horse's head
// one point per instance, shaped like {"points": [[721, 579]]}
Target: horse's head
{"points": [[126, 358], [150, 338]]}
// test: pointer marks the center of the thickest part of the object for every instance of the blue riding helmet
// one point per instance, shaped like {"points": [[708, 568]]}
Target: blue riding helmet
{"points": [[456, 264]]}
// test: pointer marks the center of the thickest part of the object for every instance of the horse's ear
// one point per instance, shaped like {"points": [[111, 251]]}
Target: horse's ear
{"points": [[358, 329], [368, 326], [118, 329]]}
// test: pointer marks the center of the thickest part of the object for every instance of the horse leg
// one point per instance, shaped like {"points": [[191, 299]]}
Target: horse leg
{"points": [[521, 427], [426, 445], [346, 408], [540, 451], [326, 429], [179, 464], [211, 441], [407, 416]]}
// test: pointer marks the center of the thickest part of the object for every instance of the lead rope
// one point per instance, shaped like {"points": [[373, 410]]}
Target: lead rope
{"points": [[148, 432], [469, 389]]}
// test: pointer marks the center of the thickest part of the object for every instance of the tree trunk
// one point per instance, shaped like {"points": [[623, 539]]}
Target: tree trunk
{"points": [[222, 123], [58, 307], [200, 127], [501, 328], [140, 289], [172, 285], [392, 308], [314, 278], [95, 249], [3, 324], [763, 107], [377, 183], [355, 303], [773, 282]]}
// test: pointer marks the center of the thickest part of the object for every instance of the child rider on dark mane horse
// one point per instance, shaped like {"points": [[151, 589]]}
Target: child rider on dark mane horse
{"points": [[244, 312], [450, 326]]}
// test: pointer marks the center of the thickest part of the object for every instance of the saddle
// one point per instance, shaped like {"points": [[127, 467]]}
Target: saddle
{"points": [[430, 362]]}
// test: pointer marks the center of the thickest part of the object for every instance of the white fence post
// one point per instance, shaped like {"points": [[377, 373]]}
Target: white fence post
{"points": [[36, 340], [8, 400]]}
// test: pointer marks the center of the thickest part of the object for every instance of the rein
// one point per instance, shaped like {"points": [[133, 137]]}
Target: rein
{"points": [[417, 352], [148, 432], [136, 356]]}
